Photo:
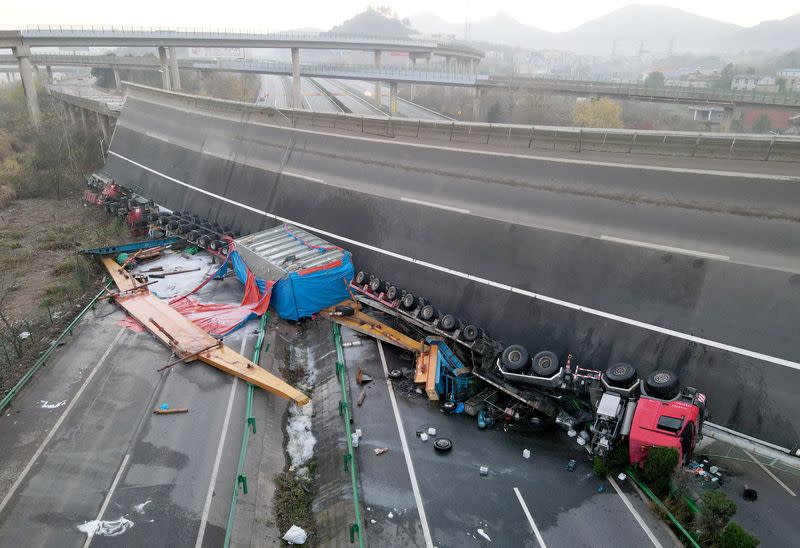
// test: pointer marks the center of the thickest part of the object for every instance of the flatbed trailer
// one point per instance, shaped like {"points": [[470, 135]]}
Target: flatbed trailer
{"points": [[602, 405]]}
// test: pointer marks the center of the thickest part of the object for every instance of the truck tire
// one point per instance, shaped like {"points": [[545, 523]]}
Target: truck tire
{"points": [[396, 374], [447, 323], [470, 333], [544, 364], [375, 284], [662, 383], [203, 241], [392, 293], [361, 278], [620, 375], [345, 310], [408, 301], [515, 359], [428, 313], [443, 445]]}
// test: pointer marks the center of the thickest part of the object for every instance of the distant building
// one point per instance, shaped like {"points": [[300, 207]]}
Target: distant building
{"points": [[708, 114], [691, 78], [791, 77], [754, 82]]}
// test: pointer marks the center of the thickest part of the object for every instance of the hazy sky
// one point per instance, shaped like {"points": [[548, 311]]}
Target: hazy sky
{"points": [[286, 14]]}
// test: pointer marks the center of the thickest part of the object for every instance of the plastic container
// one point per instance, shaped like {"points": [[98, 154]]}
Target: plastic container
{"points": [[431, 431], [354, 439], [526, 453], [423, 436], [484, 470]]}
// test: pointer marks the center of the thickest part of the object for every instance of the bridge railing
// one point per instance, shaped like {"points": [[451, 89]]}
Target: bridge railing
{"points": [[788, 98], [525, 139]]}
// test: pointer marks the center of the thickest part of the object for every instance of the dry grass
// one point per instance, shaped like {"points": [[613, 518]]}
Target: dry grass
{"points": [[7, 195]]}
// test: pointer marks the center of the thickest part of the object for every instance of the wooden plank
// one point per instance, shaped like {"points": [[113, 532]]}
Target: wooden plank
{"points": [[430, 377], [187, 340], [122, 278], [233, 363], [364, 323]]}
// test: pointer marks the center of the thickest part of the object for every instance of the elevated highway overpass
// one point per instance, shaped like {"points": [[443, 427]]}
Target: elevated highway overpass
{"points": [[166, 40], [680, 265]]}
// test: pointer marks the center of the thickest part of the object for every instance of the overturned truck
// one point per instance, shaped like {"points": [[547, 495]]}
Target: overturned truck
{"points": [[601, 409]]}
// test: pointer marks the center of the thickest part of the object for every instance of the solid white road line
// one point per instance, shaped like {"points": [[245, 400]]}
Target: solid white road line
{"points": [[426, 532], [432, 204], [538, 296], [770, 474], [530, 518], [636, 515], [60, 421], [301, 176], [670, 249], [108, 497], [210, 494]]}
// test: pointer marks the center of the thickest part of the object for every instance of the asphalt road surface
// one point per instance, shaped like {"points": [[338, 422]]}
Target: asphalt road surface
{"points": [[273, 92], [81, 442], [404, 107], [689, 270], [355, 102], [449, 497]]}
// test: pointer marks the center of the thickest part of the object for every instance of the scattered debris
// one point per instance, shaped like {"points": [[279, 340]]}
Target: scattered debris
{"points": [[361, 377], [749, 493], [423, 436], [295, 535], [113, 528], [484, 470], [381, 450], [601, 488], [361, 397], [526, 453], [170, 411], [431, 431], [482, 533], [390, 515], [139, 508], [621, 476], [298, 428], [47, 405], [571, 465], [351, 343], [373, 521], [24, 335]]}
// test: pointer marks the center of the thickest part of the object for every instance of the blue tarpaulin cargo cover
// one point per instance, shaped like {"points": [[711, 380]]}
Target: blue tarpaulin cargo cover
{"points": [[309, 273]]}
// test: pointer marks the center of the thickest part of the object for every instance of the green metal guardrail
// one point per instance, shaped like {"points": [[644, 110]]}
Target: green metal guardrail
{"points": [[249, 427], [53, 345], [652, 496], [357, 528]]}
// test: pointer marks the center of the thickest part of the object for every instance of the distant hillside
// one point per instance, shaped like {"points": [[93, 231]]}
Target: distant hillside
{"points": [[372, 23], [651, 28]]}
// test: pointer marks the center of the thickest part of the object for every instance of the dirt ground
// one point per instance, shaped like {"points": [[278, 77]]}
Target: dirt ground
{"points": [[44, 282]]}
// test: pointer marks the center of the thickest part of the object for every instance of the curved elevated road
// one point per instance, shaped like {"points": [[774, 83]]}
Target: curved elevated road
{"points": [[404, 107], [694, 271], [355, 102]]}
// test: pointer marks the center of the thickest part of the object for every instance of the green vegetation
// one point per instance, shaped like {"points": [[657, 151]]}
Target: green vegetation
{"points": [[294, 495], [658, 468], [733, 536], [604, 113], [655, 80]]}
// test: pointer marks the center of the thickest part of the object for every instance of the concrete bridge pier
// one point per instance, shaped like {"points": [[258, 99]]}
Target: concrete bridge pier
{"points": [[164, 70], [49, 75], [378, 85], [727, 120], [297, 100], [117, 79], [173, 69], [84, 123], [105, 126], [393, 98], [477, 104], [23, 55]]}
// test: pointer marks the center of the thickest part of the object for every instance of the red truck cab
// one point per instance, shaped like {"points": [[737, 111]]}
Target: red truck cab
{"points": [[673, 423]]}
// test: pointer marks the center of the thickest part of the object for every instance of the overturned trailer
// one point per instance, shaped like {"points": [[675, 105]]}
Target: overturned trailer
{"points": [[600, 408]]}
